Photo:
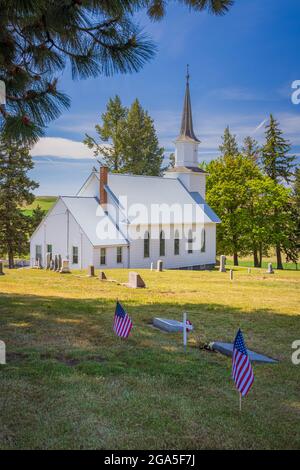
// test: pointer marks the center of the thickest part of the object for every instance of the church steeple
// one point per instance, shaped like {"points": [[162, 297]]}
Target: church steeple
{"points": [[187, 131]]}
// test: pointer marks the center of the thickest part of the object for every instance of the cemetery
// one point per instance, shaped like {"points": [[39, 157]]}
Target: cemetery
{"points": [[67, 375]]}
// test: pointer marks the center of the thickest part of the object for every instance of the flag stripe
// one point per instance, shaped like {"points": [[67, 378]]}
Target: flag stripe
{"points": [[242, 372]]}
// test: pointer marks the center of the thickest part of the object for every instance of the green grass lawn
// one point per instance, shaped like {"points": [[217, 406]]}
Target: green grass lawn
{"points": [[45, 203], [70, 383]]}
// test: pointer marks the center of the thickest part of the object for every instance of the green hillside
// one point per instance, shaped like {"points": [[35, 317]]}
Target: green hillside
{"points": [[45, 202]]}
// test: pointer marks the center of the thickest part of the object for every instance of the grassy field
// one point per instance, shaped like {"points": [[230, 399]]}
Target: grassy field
{"points": [[45, 203], [70, 383]]}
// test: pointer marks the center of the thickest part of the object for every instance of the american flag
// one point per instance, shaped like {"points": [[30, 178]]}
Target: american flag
{"points": [[122, 322], [242, 372]]}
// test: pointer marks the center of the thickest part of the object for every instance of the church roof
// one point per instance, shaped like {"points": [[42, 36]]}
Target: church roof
{"points": [[94, 222], [187, 131]]}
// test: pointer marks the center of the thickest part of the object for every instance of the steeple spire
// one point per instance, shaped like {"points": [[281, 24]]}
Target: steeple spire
{"points": [[187, 131]]}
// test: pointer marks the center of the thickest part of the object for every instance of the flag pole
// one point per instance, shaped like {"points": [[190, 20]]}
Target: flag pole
{"points": [[184, 331]]}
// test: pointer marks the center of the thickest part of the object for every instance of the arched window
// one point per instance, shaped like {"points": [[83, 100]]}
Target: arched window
{"points": [[146, 245], [203, 240], [162, 244], [176, 243], [190, 242]]}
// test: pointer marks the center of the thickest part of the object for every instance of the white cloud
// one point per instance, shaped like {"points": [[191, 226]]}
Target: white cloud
{"points": [[59, 147]]}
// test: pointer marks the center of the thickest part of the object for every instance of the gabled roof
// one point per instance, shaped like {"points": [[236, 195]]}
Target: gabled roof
{"points": [[144, 192], [94, 222]]}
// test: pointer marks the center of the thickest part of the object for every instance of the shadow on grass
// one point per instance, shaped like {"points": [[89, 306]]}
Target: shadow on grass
{"points": [[56, 394]]}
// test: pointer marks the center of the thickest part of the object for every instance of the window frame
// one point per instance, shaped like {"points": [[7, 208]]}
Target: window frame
{"points": [[75, 255], [203, 241], [147, 244], [162, 244], [103, 256], [119, 254], [176, 243]]}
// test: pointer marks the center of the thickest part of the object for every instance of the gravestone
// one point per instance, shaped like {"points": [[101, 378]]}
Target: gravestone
{"points": [[151, 266], [37, 264], [48, 260], [55, 263], [249, 270], [102, 276], [59, 262], [270, 269], [2, 353], [231, 274], [91, 271], [52, 265], [171, 326], [227, 348], [159, 265], [1, 269], [65, 269], [135, 281], [222, 268]]}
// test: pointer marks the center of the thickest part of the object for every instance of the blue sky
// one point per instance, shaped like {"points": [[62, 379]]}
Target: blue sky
{"points": [[242, 66]]}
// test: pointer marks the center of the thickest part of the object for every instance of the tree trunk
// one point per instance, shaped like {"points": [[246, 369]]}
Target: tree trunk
{"points": [[278, 255], [260, 256], [235, 259], [11, 263], [255, 258]]}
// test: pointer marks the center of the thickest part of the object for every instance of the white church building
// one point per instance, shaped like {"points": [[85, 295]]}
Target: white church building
{"points": [[131, 221]]}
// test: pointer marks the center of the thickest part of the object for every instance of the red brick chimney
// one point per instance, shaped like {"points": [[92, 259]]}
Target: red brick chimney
{"points": [[103, 182]]}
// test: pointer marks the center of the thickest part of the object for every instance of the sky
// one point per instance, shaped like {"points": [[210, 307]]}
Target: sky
{"points": [[242, 66]]}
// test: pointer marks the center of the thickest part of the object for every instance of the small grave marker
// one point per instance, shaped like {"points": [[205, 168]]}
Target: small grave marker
{"points": [[102, 276], [270, 269], [65, 269], [222, 268], [2, 353], [91, 271], [231, 274], [135, 281], [159, 265], [1, 269]]}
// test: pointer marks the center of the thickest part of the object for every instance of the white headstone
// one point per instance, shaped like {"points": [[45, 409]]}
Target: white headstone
{"points": [[151, 266], [2, 353], [65, 269], [135, 281], [48, 260], [91, 271], [2, 93], [270, 269], [222, 264], [159, 265]]}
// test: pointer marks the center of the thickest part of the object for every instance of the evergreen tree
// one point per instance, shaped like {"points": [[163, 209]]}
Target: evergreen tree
{"points": [[157, 8], [38, 38], [172, 160], [251, 148], [141, 150], [111, 131], [229, 146], [15, 190], [36, 218], [276, 161], [278, 165]]}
